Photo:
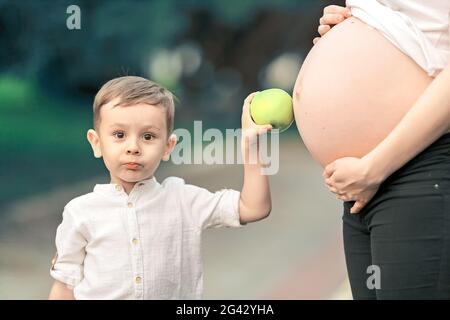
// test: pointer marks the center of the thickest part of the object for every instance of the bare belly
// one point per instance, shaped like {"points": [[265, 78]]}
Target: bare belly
{"points": [[353, 88]]}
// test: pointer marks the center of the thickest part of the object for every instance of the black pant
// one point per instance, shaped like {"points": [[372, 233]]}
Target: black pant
{"points": [[398, 246]]}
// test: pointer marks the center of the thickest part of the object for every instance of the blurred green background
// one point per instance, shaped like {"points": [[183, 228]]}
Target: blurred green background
{"points": [[211, 54]]}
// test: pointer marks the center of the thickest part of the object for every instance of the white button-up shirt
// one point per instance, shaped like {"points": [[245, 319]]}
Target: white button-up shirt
{"points": [[145, 245]]}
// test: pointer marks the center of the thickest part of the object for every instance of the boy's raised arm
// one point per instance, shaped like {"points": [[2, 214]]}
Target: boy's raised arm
{"points": [[255, 202]]}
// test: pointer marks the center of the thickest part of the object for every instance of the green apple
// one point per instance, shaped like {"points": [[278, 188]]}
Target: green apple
{"points": [[272, 106]]}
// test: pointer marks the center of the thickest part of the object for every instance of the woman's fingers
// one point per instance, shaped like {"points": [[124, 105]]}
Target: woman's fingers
{"points": [[332, 15], [316, 39], [323, 29], [331, 19], [357, 207], [343, 198], [337, 9]]}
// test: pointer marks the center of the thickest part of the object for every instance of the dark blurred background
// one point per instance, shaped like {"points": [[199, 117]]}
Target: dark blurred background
{"points": [[211, 54]]}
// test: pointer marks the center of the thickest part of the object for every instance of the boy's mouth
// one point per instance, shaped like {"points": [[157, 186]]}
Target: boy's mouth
{"points": [[132, 165]]}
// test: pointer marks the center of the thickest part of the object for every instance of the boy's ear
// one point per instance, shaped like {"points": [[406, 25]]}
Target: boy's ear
{"points": [[94, 140], [171, 143]]}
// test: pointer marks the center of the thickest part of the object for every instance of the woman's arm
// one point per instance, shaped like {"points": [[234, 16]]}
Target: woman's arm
{"points": [[61, 291], [425, 122]]}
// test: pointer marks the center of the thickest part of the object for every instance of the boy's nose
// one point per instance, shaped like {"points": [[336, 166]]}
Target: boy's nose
{"points": [[133, 151]]}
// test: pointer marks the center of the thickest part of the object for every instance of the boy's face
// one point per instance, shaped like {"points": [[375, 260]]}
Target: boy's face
{"points": [[132, 141]]}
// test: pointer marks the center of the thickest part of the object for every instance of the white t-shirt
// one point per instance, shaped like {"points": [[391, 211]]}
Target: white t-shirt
{"points": [[419, 28], [145, 245]]}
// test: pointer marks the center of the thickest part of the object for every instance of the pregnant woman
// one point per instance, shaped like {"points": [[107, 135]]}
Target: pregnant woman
{"points": [[372, 105]]}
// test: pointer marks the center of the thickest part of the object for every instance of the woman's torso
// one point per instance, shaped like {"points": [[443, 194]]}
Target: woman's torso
{"points": [[352, 90]]}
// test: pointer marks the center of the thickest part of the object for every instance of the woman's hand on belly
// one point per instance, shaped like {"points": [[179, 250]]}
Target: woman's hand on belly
{"points": [[352, 180], [332, 15]]}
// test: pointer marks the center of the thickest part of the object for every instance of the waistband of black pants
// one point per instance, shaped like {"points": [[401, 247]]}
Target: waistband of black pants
{"points": [[435, 158]]}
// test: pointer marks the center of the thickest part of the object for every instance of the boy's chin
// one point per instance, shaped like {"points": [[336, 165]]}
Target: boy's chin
{"points": [[133, 176]]}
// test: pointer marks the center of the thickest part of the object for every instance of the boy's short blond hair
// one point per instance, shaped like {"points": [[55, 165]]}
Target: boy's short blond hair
{"points": [[134, 90]]}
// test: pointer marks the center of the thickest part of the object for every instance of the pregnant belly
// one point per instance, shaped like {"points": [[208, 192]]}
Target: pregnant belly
{"points": [[352, 90]]}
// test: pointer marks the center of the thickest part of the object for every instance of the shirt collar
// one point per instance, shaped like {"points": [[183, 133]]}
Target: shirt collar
{"points": [[113, 189]]}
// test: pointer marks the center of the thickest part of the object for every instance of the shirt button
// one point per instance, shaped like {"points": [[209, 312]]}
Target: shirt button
{"points": [[135, 241], [138, 280], [130, 205], [118, 187]]}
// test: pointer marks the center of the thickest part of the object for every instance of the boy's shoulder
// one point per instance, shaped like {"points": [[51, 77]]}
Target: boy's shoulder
{"points": [[179, 184], [173, 182], [83, 201], [178, 188], [175, 187], [186, 190]]}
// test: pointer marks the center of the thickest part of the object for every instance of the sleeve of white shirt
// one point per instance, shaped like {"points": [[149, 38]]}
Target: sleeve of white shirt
{"points": [[211, 209], [70, 245]]}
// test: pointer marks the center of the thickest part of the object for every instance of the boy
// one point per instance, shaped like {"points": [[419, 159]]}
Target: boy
{"points": [[136, 238]]}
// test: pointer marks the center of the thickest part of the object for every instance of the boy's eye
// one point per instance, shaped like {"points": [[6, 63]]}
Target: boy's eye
{"points": [[119, 134], [148, 136]]}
